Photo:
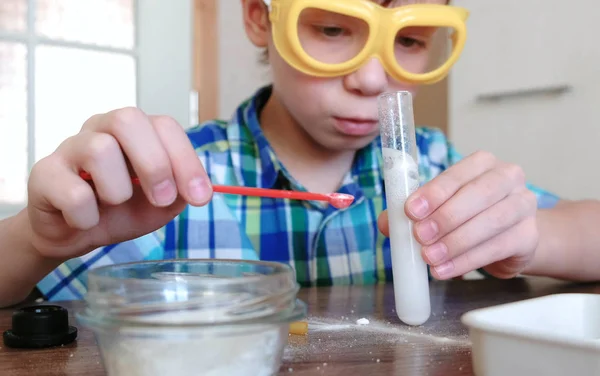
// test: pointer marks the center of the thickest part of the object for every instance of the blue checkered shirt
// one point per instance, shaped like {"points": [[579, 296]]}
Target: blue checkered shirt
{"points": [[325, 245]]}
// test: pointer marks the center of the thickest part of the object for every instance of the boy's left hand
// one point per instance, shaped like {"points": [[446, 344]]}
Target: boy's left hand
{"points": [[476, 214]]}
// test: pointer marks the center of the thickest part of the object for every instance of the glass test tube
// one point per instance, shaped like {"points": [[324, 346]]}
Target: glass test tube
{"points": [[401, 176]]}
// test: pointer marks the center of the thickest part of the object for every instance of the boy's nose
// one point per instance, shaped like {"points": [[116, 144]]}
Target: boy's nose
{"points": [[370, 80]]}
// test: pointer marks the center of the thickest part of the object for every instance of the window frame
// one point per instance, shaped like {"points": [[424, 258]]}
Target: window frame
{"points": [[162, 52]]}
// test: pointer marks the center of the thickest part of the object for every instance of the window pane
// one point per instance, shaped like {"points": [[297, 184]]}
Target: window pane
{"points": [[13, 15], [193, 108], [13, 123], [100, 22], [72, 85]]}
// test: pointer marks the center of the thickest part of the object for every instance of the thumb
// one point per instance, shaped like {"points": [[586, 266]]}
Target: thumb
{"points": [[133, 219], [382, 223]]}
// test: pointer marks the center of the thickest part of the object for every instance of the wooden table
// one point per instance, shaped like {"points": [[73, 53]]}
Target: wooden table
{"points": [[336, 345]]}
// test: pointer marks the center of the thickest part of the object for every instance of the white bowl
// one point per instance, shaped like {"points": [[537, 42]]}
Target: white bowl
{"points": [[547, 336]]}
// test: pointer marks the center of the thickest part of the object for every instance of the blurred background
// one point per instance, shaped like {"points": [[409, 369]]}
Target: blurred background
{"points": [[523, 88]]}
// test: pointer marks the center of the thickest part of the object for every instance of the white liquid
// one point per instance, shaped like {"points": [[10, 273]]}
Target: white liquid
{"points": [[245, 351], [411, 284]]}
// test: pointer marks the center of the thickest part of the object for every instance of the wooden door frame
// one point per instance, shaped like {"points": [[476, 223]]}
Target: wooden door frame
{"points": [[206, 58], [431, 102]]}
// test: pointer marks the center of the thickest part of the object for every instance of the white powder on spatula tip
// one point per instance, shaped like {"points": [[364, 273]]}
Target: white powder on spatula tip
{"points": [[362, 321]]}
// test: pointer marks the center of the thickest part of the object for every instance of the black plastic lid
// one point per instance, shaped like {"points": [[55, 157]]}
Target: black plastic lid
{"points": [[40, 326]]}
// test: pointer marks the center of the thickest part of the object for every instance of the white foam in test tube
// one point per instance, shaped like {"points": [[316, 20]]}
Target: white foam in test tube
{"points": [[401, 177]]}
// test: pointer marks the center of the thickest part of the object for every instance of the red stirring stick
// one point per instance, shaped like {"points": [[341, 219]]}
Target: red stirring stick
{"points": [[337, 200]]}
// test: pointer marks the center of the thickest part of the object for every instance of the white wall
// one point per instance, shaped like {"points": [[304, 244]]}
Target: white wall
{"points": [[526, 90], [239, 77], [165, 58]]}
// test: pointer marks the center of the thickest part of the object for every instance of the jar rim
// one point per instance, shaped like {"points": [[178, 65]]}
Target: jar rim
{"points": [[218, 292], [100, 273]]}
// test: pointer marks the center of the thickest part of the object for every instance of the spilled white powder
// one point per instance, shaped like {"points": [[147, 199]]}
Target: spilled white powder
{"points": [[398, 332], [362, 321], [329, 336], [240, 351]]}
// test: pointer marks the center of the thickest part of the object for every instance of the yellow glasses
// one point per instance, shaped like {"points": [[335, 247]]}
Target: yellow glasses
{"points": [[328, 38]]}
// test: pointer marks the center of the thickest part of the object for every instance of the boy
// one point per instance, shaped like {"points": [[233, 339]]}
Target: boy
{"points": [[315, 128]]}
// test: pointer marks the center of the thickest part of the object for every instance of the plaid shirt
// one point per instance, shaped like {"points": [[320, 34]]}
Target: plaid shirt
{"points": [[324, 245]]}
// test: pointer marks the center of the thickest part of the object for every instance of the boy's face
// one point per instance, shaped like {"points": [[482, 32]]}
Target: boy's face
{"points": [[338, 113]]}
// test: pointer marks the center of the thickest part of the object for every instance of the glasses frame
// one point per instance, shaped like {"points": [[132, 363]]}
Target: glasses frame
{"points": [[384, 24]]}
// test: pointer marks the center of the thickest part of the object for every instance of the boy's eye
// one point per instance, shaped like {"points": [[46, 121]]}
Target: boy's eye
{"points": [[330, 31], [409, 42]]}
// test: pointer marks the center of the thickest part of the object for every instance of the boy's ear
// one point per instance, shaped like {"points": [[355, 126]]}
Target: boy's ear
{"points": [[256, 22]]}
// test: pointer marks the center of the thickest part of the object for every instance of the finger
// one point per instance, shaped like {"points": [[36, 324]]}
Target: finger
{"points": [[146, 217], [434, 193], [101, 156], [54, 186], [191, 178], [383, 224], [144, 150], [516, 243], [478, 195], [488, 224]]}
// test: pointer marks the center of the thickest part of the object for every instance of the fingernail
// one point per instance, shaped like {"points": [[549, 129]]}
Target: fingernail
{"points": [[199, 189], [427, 230], [445, 269], [436, 252], [418, 207], [164, 193]]}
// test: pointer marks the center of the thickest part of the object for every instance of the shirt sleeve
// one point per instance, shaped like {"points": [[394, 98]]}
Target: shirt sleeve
{"points": [[69, 280], [545, 199]]}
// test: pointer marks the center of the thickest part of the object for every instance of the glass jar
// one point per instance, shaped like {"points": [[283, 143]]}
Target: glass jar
{"points": [[192, 317]]}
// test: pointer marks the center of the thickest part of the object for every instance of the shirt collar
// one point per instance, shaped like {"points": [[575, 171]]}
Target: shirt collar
{"points": [[367, 169], [254, 161]]}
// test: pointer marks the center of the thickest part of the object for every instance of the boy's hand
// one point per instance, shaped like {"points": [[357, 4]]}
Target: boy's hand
{"points": [[478, 213], [70, 216]]}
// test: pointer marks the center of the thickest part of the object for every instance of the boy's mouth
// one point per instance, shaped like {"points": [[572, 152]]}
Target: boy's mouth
{"points": [[355, 126]]}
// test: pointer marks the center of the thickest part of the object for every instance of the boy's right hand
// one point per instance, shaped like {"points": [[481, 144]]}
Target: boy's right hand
{"points": [[70, 216]]}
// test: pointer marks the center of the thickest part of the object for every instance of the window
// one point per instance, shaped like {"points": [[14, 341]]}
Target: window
{"points": [[62, 61]]}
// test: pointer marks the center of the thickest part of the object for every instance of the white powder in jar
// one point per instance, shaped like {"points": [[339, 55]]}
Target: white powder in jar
{"points": [[238, 351]]}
